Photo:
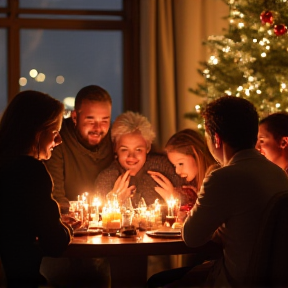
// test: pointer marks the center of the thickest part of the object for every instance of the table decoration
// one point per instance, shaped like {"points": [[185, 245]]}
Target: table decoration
{"points": [[165, 232], [111, 217], [94, 209], [173, 208], [147, 218]]}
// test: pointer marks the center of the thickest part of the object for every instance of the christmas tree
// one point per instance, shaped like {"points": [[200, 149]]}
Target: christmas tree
{"points": [[250, 60]]}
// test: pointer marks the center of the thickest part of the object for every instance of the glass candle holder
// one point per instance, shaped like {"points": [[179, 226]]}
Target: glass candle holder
{"points": [[173, 208], [111, 221]]}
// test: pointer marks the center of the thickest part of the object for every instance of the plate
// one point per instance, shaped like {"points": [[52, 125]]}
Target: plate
{"points": [[168, 230], [89, 232], [164, 234]]}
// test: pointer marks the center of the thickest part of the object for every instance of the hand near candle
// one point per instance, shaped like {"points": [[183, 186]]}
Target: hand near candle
{"points": [[121, 188], [165, 188]]}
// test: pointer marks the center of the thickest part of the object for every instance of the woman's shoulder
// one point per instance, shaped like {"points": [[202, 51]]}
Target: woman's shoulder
{"points": [[26, 171], [33, 167], [25, 163]]}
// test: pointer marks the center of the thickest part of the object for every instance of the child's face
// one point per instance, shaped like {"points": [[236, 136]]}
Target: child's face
{"points": [[185, 165]]}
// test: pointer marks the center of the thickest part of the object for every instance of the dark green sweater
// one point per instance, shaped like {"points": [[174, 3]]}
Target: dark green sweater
{"points": [[75, 168]]}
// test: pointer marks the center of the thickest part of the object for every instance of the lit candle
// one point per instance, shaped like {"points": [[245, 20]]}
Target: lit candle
{"points": [[111, 216], [157, 208], [85, 205], [95, 208], [84, 197], [96, 203], [171, 206]]}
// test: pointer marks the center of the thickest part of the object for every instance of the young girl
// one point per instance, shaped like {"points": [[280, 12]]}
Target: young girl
{"points": [[188, 152]]}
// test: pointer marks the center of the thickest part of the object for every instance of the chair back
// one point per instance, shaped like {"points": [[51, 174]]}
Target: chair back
{"points": [[269, 261]]}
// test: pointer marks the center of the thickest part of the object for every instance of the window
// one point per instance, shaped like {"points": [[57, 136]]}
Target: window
{"points": [[58, 47]]}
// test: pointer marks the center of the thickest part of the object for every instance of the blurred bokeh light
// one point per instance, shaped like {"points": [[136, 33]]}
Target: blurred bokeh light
{"points": [[22, 81]]}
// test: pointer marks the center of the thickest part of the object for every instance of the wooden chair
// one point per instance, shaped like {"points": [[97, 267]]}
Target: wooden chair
{"points": [[269, 262]]}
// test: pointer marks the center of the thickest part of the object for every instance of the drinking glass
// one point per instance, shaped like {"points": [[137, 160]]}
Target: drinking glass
{"points": [[173, 208], [111, 221]]}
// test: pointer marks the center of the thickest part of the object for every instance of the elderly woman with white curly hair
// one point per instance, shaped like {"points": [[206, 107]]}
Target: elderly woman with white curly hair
{"points": [[132, 136]]}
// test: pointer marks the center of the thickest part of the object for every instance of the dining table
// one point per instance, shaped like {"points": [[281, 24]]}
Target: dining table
{"points": [[128, 256]]}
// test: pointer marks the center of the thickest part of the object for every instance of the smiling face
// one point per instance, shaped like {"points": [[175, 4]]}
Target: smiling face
{"points": [[49, 139], [267, 145], [92, 122], [131, 150], [185, 165]]}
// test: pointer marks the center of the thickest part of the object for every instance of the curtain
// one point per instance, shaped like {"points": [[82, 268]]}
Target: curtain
{"points": [[171, 36]]}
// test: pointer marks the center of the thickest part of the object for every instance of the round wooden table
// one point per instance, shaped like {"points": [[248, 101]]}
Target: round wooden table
{"points": [[127, 256]]}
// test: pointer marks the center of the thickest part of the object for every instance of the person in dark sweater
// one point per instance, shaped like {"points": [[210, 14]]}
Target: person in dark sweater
{"points": [[230, 204], [30, 221], [132, 136], [86, 149]]}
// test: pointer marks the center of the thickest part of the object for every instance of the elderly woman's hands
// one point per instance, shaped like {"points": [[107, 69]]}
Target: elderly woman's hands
{"points": [[121, 187], [165, 189]]}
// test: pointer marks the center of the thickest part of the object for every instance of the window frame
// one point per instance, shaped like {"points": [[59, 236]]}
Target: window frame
{"points": [[129, 25]]}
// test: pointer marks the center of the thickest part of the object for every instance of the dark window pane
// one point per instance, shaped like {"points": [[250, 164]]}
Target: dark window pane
{"points": [[78, 17], [3, 3], [73, 4], [3, 70], [78, 58]]}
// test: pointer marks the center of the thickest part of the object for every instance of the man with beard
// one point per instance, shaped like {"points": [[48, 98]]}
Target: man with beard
{"points": [[86, 149]]}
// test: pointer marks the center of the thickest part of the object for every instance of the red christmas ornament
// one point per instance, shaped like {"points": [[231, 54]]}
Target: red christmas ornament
{"points": [[280, 29], [266, 17]]}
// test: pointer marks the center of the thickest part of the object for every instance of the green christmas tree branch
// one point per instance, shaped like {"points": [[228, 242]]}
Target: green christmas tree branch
{"points": [[250, 60]]}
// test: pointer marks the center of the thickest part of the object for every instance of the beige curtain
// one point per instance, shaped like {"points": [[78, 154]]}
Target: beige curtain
{"points": [[172, 32]]}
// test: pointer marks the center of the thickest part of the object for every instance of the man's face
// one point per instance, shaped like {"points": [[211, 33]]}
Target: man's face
{"points": [[92, 122]]}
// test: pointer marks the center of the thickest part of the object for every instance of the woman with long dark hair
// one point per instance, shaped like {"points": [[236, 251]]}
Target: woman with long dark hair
{"points": [[30, 221]]}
